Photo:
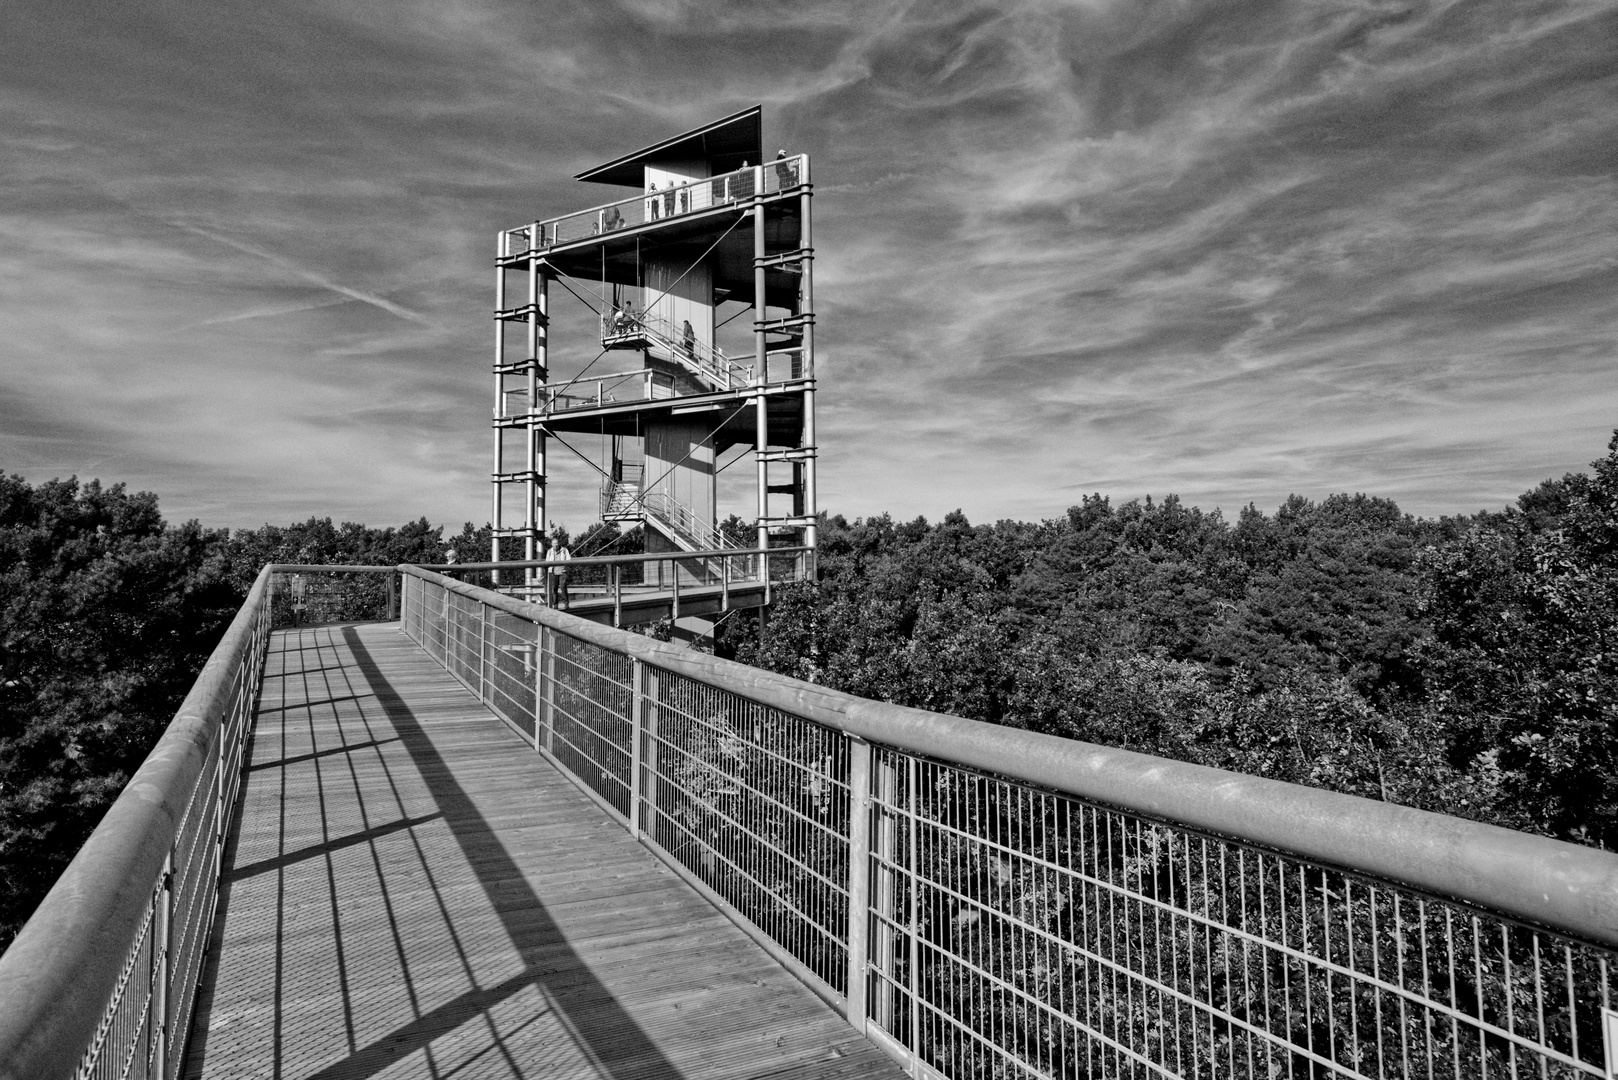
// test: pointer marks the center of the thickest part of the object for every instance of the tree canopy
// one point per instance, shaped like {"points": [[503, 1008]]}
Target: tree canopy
{"points": [[1465, 664]]}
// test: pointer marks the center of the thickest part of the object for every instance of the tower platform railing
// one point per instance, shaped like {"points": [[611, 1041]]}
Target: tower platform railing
{"points": [[589, 391], [715, 192], [978, 900]]}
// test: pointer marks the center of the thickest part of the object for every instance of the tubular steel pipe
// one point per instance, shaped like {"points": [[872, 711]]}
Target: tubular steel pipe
{"points": [[59, 974], [585, 560], [1565, 887]]}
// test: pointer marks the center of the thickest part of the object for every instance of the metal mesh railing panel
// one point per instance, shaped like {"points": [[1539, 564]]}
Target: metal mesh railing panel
{"points": [[316, 598], [142, 1033], [754, 802], [510, 678], [197, 854], [434, 627], [1055, 937], [124, 1040], [1015, 931], [589, 693], [463, 628]]}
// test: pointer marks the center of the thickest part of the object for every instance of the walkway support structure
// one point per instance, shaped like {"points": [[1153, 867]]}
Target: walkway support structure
{"points": [[977, 900], [714, 232]]}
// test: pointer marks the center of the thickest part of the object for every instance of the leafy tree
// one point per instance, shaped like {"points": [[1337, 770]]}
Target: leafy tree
{"points": [[106, 614], [1468, 665], [1524, 656]]}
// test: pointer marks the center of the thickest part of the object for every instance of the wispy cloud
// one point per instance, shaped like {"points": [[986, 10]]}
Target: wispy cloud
{"points": [[1226, 249]]}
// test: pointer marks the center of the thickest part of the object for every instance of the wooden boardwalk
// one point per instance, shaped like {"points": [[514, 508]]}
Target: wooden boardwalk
{"points": [[413, 892]]}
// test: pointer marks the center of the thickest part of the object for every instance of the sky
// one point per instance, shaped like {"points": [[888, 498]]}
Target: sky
{"points": [[1227, 250]]}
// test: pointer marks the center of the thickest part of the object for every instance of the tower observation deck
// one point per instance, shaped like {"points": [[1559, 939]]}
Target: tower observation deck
{"points": [[700, 286]]}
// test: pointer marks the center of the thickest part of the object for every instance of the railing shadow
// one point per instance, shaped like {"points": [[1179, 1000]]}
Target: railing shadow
{"points": [[607, 1041]]}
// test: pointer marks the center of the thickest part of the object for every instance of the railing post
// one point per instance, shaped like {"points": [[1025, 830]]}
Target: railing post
{"points": [[162, 944], [637, 726], [483, 648], [859, 876], [548, 683], [617, 595], [884, 842], [651, 782], [912, 920], [533, 670], [219, 805], [393, 599]]}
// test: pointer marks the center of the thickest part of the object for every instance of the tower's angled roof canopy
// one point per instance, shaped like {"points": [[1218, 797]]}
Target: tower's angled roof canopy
{"points": [[723, 144]]}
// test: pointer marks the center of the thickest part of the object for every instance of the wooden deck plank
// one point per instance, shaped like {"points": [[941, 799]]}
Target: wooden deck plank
{"points": [[412, 891]]}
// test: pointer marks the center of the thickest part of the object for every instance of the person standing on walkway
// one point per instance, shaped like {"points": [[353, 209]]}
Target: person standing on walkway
{"points": [[559, 574]]}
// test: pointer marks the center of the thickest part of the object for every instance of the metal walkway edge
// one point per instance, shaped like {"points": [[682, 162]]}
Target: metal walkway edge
{"points": [[411, 891]]}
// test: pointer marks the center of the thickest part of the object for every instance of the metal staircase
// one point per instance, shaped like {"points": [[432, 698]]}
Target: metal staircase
{"points": [[623, 500], [620, 499], [623, 329]]}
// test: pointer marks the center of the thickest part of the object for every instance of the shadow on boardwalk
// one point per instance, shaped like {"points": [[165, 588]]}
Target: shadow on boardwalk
{"points": [[412, 892]]}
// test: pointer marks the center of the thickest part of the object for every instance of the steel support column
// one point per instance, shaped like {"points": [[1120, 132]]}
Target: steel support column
{"points": [[761, 426]]}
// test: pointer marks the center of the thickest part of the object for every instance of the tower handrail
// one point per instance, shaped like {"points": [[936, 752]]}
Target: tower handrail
{"points": [[735, 188]]}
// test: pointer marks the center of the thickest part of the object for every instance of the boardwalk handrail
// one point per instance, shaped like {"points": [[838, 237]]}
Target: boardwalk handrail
{"points": [[102, 979], [928, 873], [976, 899]]}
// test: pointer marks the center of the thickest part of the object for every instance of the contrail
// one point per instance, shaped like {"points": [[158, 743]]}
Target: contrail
{"points": [[267, 313], [308, 275]]}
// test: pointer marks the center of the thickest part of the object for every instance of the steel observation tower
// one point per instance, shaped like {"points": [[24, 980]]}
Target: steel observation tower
{"points": [[702, 285]]}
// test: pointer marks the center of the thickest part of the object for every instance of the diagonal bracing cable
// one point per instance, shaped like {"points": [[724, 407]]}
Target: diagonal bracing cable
{"points": [[732, 318], [697, 262]]}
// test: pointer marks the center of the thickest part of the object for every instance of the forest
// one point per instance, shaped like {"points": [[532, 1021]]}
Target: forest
{"points": [[1464, 664], [1467, 664]]}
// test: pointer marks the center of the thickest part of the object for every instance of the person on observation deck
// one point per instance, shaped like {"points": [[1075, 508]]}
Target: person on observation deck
{"points": [[786, 171]]}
